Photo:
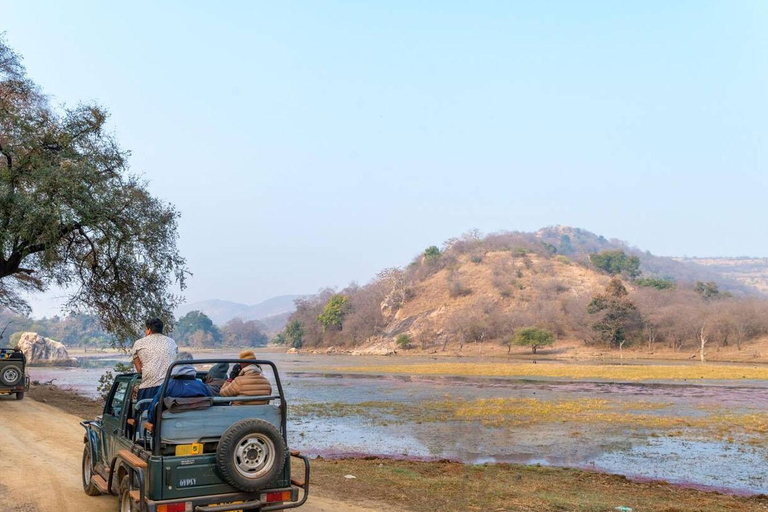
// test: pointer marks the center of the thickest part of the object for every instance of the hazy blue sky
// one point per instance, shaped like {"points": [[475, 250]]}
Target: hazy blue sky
{"points": [[310, 144]]}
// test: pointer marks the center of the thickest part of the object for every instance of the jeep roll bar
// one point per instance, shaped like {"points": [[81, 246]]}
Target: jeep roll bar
{"points": [[156, 437]]}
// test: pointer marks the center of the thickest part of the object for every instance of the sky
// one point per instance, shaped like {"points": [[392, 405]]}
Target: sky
{"points": [[311, 144]]}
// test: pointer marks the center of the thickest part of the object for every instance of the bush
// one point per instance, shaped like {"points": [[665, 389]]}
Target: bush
{"points": [[660, 283], [616, 262], [456, 289], [403, 341], [533, 337], [563, 259], [476, 259]]}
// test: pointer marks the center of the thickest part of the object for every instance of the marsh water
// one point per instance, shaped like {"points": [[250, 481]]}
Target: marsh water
{"points": [[319, 394]]}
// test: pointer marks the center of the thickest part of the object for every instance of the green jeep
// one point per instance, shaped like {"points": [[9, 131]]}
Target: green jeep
{"points": [[201, 455], [13, 377]]}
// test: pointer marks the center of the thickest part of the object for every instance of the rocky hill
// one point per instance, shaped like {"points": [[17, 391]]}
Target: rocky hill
{"points": [[479, 289]]}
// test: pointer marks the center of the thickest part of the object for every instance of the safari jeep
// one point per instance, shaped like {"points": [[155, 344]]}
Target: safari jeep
{"points": [[13, 379], [201, 455]]}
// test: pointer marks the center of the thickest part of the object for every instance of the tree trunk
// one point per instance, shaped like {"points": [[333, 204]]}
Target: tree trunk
{"points": [[703, 340]]}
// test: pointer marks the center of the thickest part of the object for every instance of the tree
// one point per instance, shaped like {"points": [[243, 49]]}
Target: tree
{"points": [[294, 333], [432, 253], [710, 291], [72, 215], [533, 337], [238, 333], [616, 262], [196, 329], [619, 314], [334, 312]]}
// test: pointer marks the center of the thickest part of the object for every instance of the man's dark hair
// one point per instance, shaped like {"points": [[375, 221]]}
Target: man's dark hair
{"points": [[155, 325]]}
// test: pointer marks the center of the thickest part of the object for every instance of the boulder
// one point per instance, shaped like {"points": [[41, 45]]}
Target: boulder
{"points": [[40, 350]]}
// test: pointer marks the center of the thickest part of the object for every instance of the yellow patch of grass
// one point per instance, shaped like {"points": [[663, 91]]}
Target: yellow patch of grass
{"points": [[576, 371]]}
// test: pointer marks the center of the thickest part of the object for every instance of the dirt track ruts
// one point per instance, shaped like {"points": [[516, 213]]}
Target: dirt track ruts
{"points": [[40, 453]]}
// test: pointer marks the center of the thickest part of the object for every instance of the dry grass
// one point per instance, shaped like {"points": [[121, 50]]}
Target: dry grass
{"points": [[446, 486], [510, 413], [572, 371]]}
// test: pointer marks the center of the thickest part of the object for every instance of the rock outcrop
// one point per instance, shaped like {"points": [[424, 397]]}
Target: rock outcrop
{"points": [[40, 350]]}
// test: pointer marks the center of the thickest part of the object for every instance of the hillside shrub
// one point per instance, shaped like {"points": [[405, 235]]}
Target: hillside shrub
{"points": [[616, 262], [659, 283], [562, 259], [403, 341]]}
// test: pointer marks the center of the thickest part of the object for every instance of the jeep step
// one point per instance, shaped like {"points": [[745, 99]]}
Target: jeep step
{"points": [[132, 459], [100, 483]]}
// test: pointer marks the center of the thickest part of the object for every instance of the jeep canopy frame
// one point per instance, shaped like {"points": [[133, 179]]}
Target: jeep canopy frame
{"points": [[156, 430]]}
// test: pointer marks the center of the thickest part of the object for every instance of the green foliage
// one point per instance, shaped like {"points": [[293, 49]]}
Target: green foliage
{"points": [[279, 339], [660, 283], [108, 378], [616, 262], [710, 291], [432, 253], [619, 314], [562, 259], [551, 249], [73, 215], [294, 334], [197, 330], [334, 312], [533, 337], [476, 259], [403, 341]]}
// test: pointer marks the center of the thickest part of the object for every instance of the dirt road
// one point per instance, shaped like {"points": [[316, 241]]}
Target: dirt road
{"points": [[40, 452]]}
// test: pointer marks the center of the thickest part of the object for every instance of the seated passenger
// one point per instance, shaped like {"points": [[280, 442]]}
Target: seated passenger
{"points": [[183, 384], [216, 377], [18, 354], [248, 381]]}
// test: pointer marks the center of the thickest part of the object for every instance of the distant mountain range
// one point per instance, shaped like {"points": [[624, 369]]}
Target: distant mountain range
{"points": [[271, 312]]}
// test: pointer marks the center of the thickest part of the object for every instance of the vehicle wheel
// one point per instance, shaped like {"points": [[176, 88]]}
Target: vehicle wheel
{"points": [[124, 503], [88, 487], [19, 396], [250, 454], [11, 375]]}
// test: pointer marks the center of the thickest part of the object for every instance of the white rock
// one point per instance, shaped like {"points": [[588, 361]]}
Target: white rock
{"points": [[38, 349]]}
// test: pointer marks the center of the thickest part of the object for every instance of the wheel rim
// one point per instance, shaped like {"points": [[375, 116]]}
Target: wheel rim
{"points": [[254, 456], [11, 375], [87, 467], [125, 501]]}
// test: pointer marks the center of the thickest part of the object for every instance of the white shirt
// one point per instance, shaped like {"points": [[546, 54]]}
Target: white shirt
{"points": [[156, 353]]}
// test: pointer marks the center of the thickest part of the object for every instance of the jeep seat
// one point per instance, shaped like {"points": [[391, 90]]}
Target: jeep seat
{"points": [[208, 425]]}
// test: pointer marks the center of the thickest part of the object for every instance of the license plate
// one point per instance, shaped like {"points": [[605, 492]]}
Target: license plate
{"points": [[230, 503], [184, 450], [5, 391]]}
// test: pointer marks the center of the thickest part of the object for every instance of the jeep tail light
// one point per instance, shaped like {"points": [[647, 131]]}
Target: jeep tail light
{"points": [[273, 497], [182, 506]]}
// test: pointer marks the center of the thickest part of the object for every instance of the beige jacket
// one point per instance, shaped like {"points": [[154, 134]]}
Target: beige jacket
{"points": [[250, 382]]}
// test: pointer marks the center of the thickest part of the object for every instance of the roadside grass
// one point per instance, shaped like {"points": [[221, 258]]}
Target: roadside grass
{"points": [[447, 486], [572, 371]]}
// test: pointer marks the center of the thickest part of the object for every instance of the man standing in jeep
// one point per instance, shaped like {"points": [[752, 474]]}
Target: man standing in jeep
{"points": [[152, 355]]}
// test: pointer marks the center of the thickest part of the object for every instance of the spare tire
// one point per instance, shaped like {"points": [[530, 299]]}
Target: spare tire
{"points": [[250, 455], [11, 375]]}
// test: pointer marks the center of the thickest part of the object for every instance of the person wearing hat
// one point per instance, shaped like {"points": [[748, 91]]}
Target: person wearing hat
{"points": [[217, 377], [249, 381]]}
